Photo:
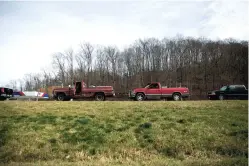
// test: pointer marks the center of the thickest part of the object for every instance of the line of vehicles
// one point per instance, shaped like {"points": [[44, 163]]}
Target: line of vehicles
{"points": [[9, 94], [152, 91]]}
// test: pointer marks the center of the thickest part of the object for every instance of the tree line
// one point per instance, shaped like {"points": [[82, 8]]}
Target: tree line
{"points": [[197, 63]]}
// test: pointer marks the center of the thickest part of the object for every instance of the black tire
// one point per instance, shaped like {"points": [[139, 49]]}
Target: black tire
{"points": [[61, 97], [177, 97], [2, 98], [100, 97], [139, 97], [221, 97]]}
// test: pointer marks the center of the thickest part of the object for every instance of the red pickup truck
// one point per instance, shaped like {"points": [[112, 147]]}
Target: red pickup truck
{"points": [[154, 91], [79, 91]]}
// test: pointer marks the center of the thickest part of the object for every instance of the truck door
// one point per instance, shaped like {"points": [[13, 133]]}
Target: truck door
{"points": [[86, 91], [153, 92], [78, 88], [230, 92]]}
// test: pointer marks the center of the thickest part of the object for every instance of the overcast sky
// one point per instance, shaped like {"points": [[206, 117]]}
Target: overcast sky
{"points": [[32, 31]]}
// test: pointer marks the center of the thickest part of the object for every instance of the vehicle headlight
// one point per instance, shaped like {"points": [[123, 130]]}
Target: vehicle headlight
{"points": [[131, 92], [213, 93]]}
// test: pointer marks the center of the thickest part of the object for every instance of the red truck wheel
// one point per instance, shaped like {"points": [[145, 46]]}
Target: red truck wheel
{"points": [[140, 97], [61, 97], [100, 97], [177, 96]]}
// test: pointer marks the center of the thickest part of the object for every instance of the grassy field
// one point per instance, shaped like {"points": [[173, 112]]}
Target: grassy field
{"points": [[124, 133]]}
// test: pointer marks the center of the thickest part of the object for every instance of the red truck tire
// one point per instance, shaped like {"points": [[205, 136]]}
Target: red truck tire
{"points": [[61, 96], [140, 97], [177, 97], [99, 97]]}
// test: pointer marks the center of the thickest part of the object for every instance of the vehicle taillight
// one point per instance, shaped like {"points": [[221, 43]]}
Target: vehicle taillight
{"points": [[185, 91], [2, 90]]}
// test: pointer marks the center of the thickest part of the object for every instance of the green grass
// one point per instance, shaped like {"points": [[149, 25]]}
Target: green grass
{"points": [[124, 133]]}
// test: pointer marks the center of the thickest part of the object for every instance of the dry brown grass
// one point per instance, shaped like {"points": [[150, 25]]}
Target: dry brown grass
{"points": [[124, 133]]}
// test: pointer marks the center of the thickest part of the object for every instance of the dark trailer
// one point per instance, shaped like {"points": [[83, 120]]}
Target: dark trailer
{"points": [[5, 93]]}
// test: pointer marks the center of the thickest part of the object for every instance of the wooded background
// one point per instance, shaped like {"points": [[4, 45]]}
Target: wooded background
{"points": [[197, 63]]}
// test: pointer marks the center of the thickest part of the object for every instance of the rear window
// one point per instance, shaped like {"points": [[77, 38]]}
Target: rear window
{"points": [[240, 88]]}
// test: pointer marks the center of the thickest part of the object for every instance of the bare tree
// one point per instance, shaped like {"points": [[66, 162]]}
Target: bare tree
{"points": [[69, 56], [81, 66], [59, 62], [86, 56], [21, 84], [112, 56], [13, 84], [101, 66], [28, 81]]}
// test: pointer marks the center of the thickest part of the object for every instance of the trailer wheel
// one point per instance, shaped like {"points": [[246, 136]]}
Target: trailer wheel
{"points": [[100, 97], [61, 97]]}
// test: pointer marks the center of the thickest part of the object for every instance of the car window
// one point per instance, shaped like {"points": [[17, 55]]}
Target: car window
{"points": [[232, 87], [154, 86], [147, 85], [240, 88], [223, 88]]}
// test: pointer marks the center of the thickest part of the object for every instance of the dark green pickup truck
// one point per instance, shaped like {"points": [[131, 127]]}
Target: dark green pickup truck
{"points": [[229, 92]]}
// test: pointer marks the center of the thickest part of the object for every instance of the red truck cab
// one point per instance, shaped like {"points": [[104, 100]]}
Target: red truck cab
{"points": [[154, 91], [80, 90]]}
